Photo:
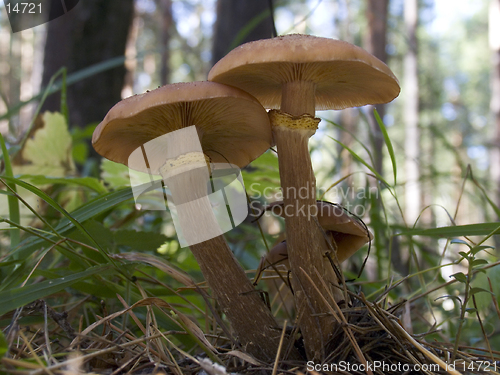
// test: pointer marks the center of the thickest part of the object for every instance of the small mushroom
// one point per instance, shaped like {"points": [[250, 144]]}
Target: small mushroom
{"points": [[345, 234], [231, 126], [298, 74]]}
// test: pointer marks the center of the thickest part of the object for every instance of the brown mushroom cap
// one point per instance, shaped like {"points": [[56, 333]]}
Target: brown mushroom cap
{"points": [[347, 232], [234, 126], [345, 75]]}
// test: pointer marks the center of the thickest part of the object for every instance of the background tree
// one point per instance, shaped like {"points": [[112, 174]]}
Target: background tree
{"points": [[95, 31], [376, 41], [166, 23], [238, 22], [411, 115], [494, 38]]}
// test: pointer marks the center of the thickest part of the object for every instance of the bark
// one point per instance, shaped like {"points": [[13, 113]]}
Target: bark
{"points": [[494, 37], [238, 22], [412, 132], [376, 13], [165, 25], [94, 31], [376, 41]]}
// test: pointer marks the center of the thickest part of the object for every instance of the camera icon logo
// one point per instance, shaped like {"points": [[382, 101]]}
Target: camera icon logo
{"points": [[204, 199]]}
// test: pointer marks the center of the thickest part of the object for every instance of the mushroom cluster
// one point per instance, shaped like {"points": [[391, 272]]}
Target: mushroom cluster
{"points": [[224, 120]]}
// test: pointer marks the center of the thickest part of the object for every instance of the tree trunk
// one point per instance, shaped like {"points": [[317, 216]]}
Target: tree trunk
{"points": [[494, 37], [166, 23], [94, 31], [376, 41], [376, 13], [238, 22], [411, 104]]}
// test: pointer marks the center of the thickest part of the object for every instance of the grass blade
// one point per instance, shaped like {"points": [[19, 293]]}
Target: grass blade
{"points": [[85, 212], [14, 213], [360, 159], [482, 229], [61, 210], [64, 103], [388, 143], [17, 297], [88, 182]]}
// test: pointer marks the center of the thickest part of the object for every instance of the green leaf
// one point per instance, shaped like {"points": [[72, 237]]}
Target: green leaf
{"points": [[470, 310], [98, 206], [262, 178], [481, 229], [87, 211], [464, 254], [51, 202], [479, 262], [101, 234], [477, 249], [49, 151], [460, 242], [14, 274], [388, 143], [14, 211], [141, 241], [88, 182], [478, 290], [17, 297], [460, 276], [116, 175], [3, 345]]}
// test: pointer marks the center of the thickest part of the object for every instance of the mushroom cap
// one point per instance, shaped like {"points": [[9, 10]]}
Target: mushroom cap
{"points": [[234, 126], [345, 75], [347, 232]]}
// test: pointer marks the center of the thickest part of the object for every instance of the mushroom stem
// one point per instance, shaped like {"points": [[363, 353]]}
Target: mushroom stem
{"points": [[306, 244], [297, 98], [243, 306]]}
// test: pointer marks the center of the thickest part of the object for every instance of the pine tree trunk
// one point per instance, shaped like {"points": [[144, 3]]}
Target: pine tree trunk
{"points": [[238, 22], [166, 22], [94, 31], [494, 29], [376, 44], [411, 100]]}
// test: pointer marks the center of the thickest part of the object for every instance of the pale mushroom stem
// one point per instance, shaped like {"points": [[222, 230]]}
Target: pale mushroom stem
{"points": [[297, 98], [250, 318], [305, 240]]}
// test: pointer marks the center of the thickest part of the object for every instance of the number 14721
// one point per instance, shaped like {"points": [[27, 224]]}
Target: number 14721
{"points": [[24, 8]]}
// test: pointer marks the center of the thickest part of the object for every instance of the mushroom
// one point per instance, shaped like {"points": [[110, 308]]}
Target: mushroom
{"points": [[345, 234], [298, 74], [153, 132]]}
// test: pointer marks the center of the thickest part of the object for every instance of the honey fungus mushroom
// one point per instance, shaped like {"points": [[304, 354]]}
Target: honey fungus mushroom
{"points": [[299, 74], [345, 233], [231, 126]]}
